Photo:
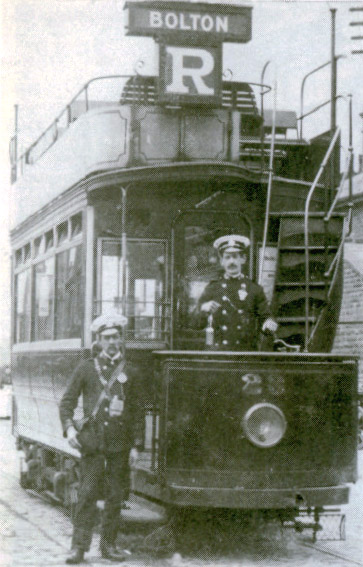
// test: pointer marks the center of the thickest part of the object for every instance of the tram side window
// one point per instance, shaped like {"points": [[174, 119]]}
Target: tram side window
{"points": [[22, 307], [144, 284], [69, 302], [44, 300]]}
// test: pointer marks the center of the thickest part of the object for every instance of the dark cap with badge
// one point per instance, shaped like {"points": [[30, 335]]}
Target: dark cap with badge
{"points": [[108, 324], [231, 243]]}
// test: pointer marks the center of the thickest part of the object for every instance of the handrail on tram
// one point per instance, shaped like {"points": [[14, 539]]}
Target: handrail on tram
{"points": [[67, 109], [335, 263], [306, 231]]}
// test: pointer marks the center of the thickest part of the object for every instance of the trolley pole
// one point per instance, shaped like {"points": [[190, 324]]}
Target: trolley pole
{"points": [[333, 105], [262, 134]]}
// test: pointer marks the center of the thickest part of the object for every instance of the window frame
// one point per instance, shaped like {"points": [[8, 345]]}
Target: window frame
{"points": [[97, 301], [30, 263]]}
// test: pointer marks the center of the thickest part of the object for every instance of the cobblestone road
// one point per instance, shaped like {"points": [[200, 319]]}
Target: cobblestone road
{"points": [[35, 533]]}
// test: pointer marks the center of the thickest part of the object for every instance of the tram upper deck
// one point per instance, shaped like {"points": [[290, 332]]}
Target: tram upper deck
{"points": [[116, 124]]}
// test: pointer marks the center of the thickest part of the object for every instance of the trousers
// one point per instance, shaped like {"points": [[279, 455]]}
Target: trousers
{"points": [[106, 473]]}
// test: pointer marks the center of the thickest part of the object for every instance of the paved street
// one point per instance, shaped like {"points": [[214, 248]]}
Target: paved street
{"points": [[34, 533]]}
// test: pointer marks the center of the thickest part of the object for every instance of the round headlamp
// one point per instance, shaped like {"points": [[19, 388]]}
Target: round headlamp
{"points": [[264, 425]]}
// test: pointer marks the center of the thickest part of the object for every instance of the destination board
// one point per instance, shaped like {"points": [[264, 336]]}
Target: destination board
{"points": [[200, 21], [190, 74]]}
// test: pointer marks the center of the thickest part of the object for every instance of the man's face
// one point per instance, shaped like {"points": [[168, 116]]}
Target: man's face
{"points": [[110, 342], [232, 263]]}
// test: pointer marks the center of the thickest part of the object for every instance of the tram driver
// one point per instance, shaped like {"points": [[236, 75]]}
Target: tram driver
{"points": [[234, 308], [111, 426]]}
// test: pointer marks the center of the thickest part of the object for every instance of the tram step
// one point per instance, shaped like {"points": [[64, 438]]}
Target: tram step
{"points": [[295, 258], [320, 233], [299, 319], [300, 284], [295, 294], [301, 248]]}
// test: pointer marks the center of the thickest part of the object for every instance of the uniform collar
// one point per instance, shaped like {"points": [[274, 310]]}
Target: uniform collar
{"points": [[239, 277], [110, 359]]}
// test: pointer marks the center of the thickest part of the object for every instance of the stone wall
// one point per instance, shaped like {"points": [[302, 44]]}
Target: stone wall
{"points": [[349, 336]]}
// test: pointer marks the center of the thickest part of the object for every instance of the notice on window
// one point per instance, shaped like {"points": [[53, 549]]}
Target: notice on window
{"points": [[269, 270]]}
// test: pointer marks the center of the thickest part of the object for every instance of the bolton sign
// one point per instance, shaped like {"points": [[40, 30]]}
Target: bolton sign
{"points": [[190, 35], [200, 21]]}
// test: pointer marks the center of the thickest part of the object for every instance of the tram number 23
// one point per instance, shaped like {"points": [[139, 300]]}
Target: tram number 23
{"points": [[252, 384], [189, 74]]}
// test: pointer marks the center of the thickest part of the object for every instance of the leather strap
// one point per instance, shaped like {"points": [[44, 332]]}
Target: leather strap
{"points": [[106, 386]]}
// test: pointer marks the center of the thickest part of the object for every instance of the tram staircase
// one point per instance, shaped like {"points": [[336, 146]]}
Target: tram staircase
{"points": [[324, 288]]}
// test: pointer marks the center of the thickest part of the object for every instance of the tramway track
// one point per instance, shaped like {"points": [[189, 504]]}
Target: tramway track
{"points": [[21, 516], [332, 553]]}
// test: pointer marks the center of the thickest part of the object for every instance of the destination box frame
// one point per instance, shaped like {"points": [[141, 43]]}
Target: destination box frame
{"points": [[136, 28]]}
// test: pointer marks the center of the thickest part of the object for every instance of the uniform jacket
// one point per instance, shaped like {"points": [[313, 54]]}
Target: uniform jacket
{"points": [[118, 433], [238, 321]]}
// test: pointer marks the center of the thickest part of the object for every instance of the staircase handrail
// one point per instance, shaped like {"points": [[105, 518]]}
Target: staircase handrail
{"points": [[337, 196], [306, 231], [269, 186], [335, 263], [338, 252]]}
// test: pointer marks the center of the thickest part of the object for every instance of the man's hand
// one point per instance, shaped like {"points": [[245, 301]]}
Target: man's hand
{"points": [[72, 437], [210, 306], [270, 326]]}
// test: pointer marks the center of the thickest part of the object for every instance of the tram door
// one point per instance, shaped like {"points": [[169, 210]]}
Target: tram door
{"points": [[196, 263]]}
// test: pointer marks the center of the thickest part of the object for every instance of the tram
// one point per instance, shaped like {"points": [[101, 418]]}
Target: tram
{"points": [[118, 203]]}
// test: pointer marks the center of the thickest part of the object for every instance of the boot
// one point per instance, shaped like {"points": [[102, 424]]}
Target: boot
{"points": [[111, 552], [76, 557]]}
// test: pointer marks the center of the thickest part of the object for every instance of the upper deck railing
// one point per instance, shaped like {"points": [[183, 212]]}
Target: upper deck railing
{"points": [[119, 89]]}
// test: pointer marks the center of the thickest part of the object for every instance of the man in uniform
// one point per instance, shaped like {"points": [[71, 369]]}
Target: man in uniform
{"points": [[233, 305], [112, 417]]}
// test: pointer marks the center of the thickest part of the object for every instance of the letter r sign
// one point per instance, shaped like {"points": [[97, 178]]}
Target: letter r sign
{"points": [[190, 74]]}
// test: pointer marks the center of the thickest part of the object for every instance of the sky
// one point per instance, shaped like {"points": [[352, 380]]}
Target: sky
{"points": [[51, 48]]}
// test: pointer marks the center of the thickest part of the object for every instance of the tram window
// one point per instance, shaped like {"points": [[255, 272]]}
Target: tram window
{"points": [[44, 300], [62, 232], [197, 262], [27, 252], [49, 239], [69, 301], [18, 257], [39, 246], [76, 225], [144, 284], [22, 307]]}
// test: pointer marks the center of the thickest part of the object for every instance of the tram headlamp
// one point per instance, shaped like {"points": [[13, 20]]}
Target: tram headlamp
{"points": [[264, 425]]}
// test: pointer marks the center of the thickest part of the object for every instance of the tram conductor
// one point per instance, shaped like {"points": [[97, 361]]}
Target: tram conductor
{"points": [[234, 307], [110, 429]]}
